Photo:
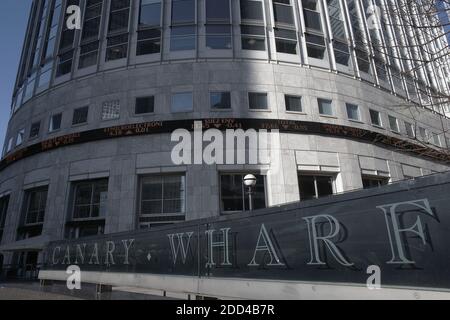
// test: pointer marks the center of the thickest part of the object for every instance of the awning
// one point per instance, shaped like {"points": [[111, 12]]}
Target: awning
{"points": [[36, 243]]}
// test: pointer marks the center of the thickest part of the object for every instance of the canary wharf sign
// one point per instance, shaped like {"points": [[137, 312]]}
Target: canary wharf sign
{"points": [[404, 229]]}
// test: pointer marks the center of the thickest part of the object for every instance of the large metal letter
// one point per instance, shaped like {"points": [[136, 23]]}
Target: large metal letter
{"points": [[394, 229], [314, 239], [223, 244], [175, 249], [267, 246]]}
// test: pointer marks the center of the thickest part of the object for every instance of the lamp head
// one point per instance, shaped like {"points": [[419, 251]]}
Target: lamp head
{"points": [[250, 180]]}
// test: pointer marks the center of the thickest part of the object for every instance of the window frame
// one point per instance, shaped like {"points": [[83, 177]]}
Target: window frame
{"points": [[380, 125], [358, 111], [332, 177], [319, 104]]}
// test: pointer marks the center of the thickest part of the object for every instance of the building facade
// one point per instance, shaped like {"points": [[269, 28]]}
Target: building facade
{"points": [[89, 151]]}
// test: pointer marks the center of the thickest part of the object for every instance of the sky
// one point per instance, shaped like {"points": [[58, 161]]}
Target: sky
{"points": [[13, 23]]}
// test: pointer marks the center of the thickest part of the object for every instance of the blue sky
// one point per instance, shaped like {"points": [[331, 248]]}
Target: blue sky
{"points": [[13, 22]]}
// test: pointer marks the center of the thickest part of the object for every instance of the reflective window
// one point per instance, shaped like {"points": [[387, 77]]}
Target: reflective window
{"points": [[183, 38], [410, 131], [315, 46], [149, 42], [149, 30], [283, 13], [55, 122], [375, 118], [393, 124], [111, 110], [117, 47], [293, 103], [325, 107], [341, 53], [162, 200], [183, 11], [436, 140], [150, 14], [88, 55], [182, 102], [352, 111], [119, 15], [92, 19], [234, 195], [80, 115], [90, 199], [311, 15], [218, 36], [4, 203], [252, 10], [145, 105], [220, 100], [423, 133], [35, 203], [286, 41], [20, 137], [374, 182], [258, 101], [315, 186], [218, 11], [253, 38], [35, 128]]}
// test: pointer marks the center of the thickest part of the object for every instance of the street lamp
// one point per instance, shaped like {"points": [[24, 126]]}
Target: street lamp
{"points": [[250, 183]]}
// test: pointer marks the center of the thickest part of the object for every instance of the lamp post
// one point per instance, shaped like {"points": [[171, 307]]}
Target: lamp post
{"points": [[250, 183]]}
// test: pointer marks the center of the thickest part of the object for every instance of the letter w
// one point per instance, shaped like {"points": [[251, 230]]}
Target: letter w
{"points": [[180, 245]]}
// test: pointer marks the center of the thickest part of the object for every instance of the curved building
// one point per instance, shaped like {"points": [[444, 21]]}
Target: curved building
{"points": [[98, 95]]}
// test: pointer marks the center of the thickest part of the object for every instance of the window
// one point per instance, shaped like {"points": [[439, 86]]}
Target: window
{"points": [[286, 41], [325, 107], [218, 27], [253, 37], [220, 100], [80, 115], [4, 202], [311, 14], [64, 63], [252, 10], [352, 112], [88, 55], [145, 105], [315, 46], [393, 124], [35, 128], [183, 31], [436, 140], [20, 137], [89, 199], [55, 122], [293, 103], [182, 38], [257, 101], [283, 13], [111, 110], [149, 30], [10, 144], [373, 182], [423, 134], [35, 203], [119, 15], [341, 53], [410, 130], [117, 47], [162, 200], [182, 102], [92, 17], [315, 186], [234, 196], [375, 118]]}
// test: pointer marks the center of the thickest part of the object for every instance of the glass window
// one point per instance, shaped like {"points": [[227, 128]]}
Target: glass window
{"points": [[293, 103], [55, 122], [92, 18], [423, 134], [286, 41], [218, 37], [9, 146], [111, 110], [258, 101], [218, 11], [352, 111], [150, 14], [4, 203], [374, 182], [88, 55], [341, 53], [283, 13], [325, 107], [117, 47], [183, 11], [220, 100], [182, 102], [252, 10], [393, 124], [253, 38], [315, 46], [315, 186], [311, 15], [183, 38], [90, 199], [375, 118], [80, 115], [119, 15], [20, 137], [145, 105], [149, 42], [35, 203], [410, 130], [162, 200], [64, 63], [35, 128], [234, 196], [436, 140]]}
